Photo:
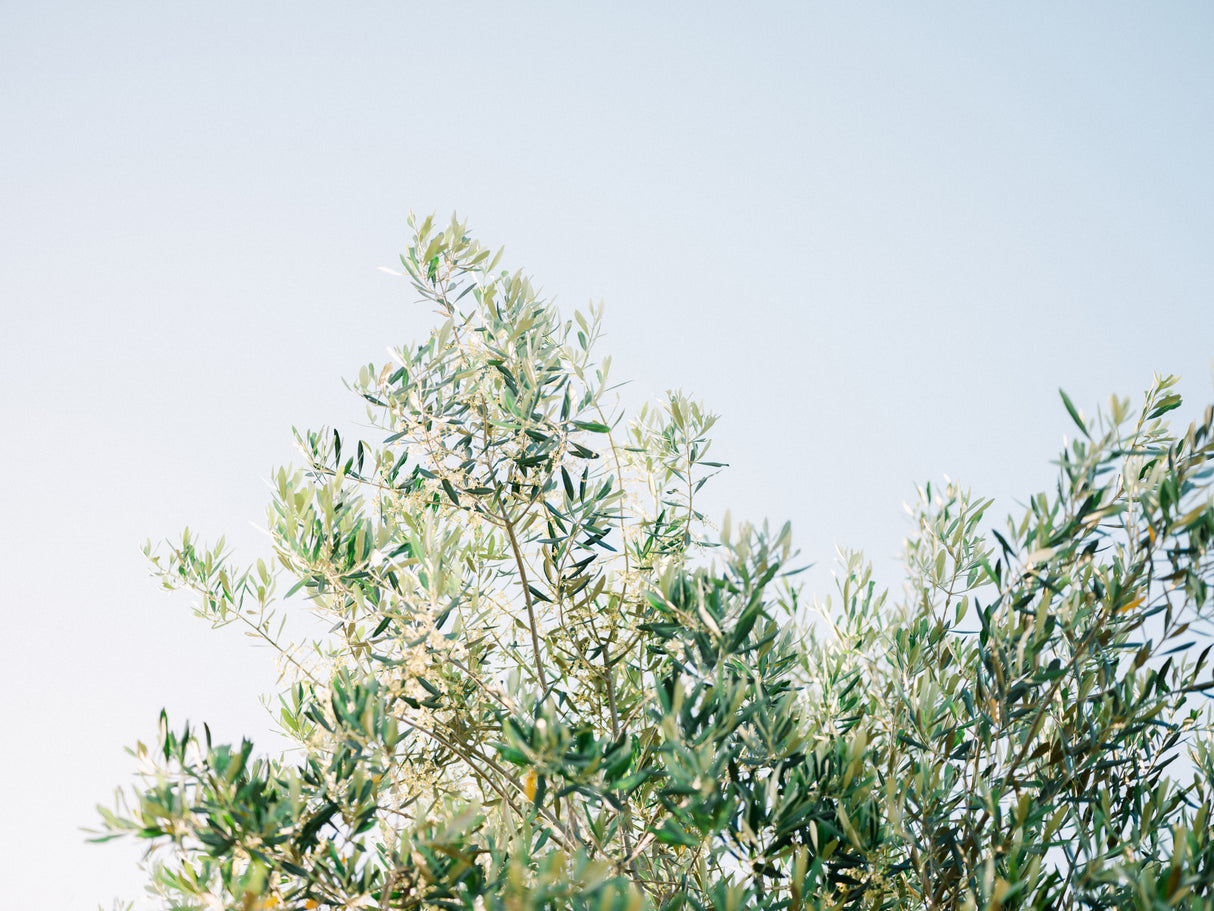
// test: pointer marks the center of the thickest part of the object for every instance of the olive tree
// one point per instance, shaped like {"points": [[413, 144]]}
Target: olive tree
{"points": [[548, 681]]}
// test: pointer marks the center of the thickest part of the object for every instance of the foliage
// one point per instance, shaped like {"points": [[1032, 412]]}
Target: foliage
{"points": [[549, 683]]}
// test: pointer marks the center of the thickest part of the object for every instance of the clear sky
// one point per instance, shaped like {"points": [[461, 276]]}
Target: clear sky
{"points": [[877, 237]]}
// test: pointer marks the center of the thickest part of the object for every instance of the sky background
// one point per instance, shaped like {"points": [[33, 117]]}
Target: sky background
{"points": [[877, 238]]}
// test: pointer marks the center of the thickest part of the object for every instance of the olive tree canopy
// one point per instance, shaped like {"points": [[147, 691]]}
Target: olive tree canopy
{"points": [[549, 682]]}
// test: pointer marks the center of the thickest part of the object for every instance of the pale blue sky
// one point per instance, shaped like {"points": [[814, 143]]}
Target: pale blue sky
{"points": [[876, 237]]}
